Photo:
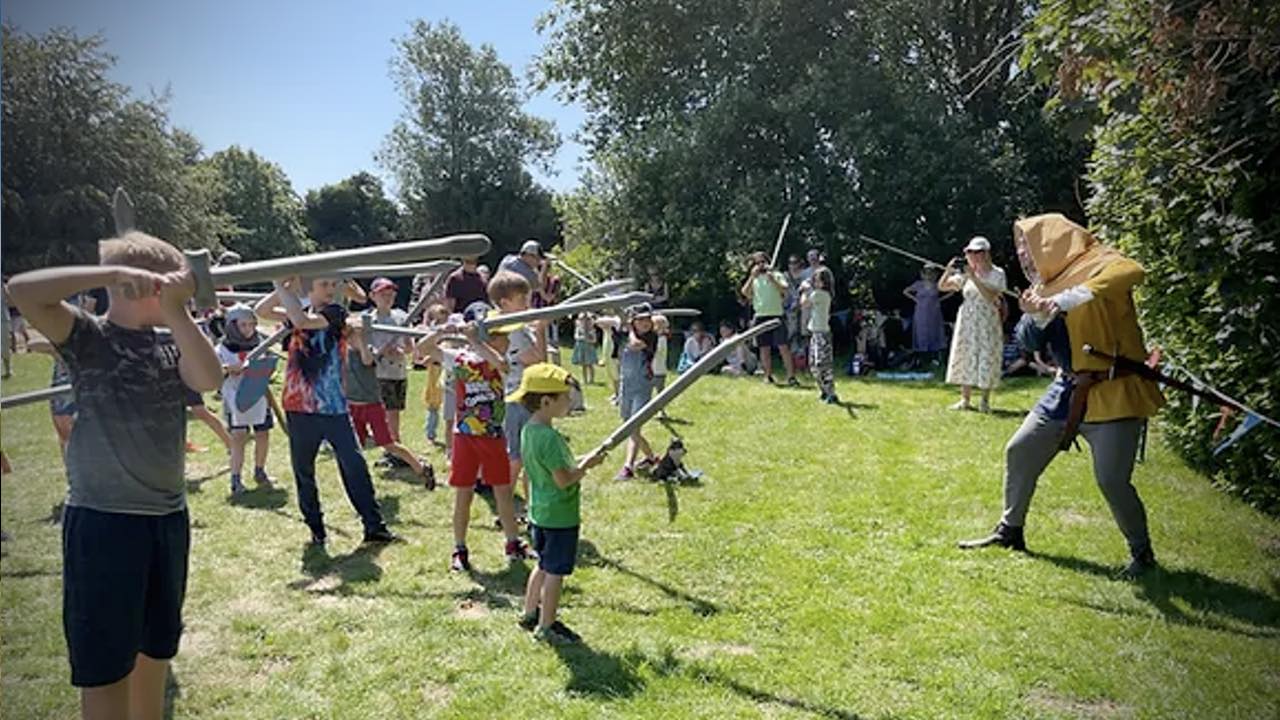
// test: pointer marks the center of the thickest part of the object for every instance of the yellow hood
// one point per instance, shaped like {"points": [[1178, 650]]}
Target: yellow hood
{"points": [[1064, 254]]}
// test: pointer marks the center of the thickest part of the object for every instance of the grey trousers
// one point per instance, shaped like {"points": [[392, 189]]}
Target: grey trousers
{"points": [[1114, 445]]}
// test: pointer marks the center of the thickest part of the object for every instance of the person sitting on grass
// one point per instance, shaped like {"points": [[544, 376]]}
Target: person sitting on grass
{"points": [[739, 363], [478, 441], [126, 533], [635, 370], [554, 506], [368, 415], [698, 343], [240, 336]]}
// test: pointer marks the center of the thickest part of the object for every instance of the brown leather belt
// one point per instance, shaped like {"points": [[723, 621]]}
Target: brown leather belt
{"points": [[1084, 382]]}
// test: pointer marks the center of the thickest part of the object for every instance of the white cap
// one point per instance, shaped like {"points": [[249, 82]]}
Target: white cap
{"points": [[978, 244], [531, 247]]}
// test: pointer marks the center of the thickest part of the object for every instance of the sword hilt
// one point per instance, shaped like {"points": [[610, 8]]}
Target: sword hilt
{"points": [[200, 263]]}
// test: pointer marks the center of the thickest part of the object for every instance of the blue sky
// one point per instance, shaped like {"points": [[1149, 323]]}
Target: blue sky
{"points": [[305, 84]]}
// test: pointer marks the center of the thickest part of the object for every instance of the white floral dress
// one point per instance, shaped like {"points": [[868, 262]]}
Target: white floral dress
{"points": [[978, 338]]}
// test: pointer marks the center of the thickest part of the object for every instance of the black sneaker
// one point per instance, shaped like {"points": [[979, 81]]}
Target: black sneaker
{"points": [[792, 382], [529, 621], [551, 636], [1004, 535], [460, 561], [318, 539], [381, 536], [1143, 561], [428, 474]]}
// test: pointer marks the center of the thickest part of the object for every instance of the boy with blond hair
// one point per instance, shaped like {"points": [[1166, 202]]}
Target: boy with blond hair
{"points": [[526, 345], [125, 529]]}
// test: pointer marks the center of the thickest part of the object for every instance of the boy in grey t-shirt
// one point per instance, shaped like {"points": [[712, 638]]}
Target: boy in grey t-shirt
{"points": [[125, 531]]}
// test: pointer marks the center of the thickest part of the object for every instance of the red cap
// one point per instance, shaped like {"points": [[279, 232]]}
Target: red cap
{"points": [[380, 284]]}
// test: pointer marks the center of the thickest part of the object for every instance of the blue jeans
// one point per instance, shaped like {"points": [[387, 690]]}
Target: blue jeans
{"points": [[306, 431], [433, 422]]}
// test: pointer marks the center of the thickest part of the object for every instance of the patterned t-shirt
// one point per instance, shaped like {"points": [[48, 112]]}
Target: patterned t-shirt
{"points": [[478, 389], [313, 375], [127, 448]]}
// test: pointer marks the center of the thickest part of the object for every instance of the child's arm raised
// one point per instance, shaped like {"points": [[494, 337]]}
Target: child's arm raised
{"points": [[301, 319], [491, 356], [198, 364], [39, 294]]}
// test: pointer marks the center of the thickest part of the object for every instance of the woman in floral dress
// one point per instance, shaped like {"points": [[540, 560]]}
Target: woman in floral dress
{"points": [[978, 338]]}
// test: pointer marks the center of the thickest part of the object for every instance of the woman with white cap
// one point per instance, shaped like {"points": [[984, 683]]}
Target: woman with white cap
{"points": [[978, 339]]}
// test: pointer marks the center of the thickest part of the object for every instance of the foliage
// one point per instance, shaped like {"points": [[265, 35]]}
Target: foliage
{"points": [[351, 213], [814, 537], [1185, 175], [71, 136], [268, 214], [712, 120], [462, 145]]}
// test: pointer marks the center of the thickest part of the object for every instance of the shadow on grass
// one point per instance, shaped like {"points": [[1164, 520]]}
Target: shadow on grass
{"points": [[1203, 593], [390, 507], [668, 420], [503, 590], [334, 575], [196, 484], [591, 557], [261, 498], [33, 573], [1003, 413], [55, 514], [597, 673]]}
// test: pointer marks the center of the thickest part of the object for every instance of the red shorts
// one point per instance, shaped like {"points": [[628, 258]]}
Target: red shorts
{"points": [[475, 456], [371, 419]]}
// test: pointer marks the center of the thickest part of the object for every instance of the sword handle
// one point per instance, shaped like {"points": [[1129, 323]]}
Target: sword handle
{"points": [[199, 262]]}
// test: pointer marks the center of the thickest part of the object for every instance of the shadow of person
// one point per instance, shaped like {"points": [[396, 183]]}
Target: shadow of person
{"points": [[261, 498], [597, 673], [196, 484], [336, 574], [1005, 413], [589, 556], [1215, 599], [673, 501], [501, 590]]}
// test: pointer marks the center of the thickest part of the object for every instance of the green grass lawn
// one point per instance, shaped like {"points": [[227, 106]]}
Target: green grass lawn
{"points": [[813, 573]]}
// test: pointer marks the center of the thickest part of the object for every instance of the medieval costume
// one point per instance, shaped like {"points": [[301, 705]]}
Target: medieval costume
{"points": [[1092, 284]]}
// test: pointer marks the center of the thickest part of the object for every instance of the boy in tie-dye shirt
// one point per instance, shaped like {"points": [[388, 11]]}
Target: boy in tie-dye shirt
{"points": [[479, 445], [316, 404]]}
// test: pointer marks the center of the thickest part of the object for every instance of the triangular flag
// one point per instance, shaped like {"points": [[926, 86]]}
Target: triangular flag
{"points": [[1250, 422]]}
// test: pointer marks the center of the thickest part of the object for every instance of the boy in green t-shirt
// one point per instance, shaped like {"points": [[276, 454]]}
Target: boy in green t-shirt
{"points": [[554, 497]]}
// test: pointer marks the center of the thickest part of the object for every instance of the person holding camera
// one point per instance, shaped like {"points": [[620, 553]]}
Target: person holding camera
{"points": [[978, 339], [766, 288]]}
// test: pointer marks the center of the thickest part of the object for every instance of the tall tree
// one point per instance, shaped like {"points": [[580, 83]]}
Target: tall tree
{"points": [[70, 137], [462, 147], [714, 119], [258, 196], [351, 213]]}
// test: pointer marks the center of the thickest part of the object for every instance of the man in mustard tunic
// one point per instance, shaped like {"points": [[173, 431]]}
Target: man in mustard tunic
{"points": [[1072, 273]]}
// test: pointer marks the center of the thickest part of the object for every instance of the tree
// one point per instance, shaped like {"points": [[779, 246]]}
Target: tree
{"points": [[714, 119], [351, 213], [1181, 100], [71, 137], [462, 146], [257, 194]]}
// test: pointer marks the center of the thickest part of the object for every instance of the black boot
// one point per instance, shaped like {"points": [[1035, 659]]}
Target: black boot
{"points": [[1143, 560], [1004, 536]]}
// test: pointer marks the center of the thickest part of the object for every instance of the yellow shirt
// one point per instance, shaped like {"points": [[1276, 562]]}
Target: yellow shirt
{"points": [[433, 390], [1109, 322]]}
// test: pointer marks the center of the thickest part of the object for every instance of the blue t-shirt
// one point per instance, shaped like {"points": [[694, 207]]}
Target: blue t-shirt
{"points": [[1055, 404]]}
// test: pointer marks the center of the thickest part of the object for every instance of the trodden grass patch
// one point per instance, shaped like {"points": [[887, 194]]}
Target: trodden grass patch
{"points": [[811, 573]]}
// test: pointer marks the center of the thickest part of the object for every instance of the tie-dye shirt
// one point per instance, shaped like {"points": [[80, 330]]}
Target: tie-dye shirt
{"points": [[478, 389], [313, 375]]}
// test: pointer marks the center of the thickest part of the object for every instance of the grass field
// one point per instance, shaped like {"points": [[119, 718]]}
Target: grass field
{"points": [[812, 574]]}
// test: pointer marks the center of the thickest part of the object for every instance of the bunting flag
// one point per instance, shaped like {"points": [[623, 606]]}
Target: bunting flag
{"points": [[1251, 421]]}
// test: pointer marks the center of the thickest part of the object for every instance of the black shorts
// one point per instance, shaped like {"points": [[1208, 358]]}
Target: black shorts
{"points": [[774, 338], [393, 393], [192, 398], [124, 578], [557, 548]]}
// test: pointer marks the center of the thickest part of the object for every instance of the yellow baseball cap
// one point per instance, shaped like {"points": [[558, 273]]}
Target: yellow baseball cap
{"points": [[496, 314], [542, 378]]}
